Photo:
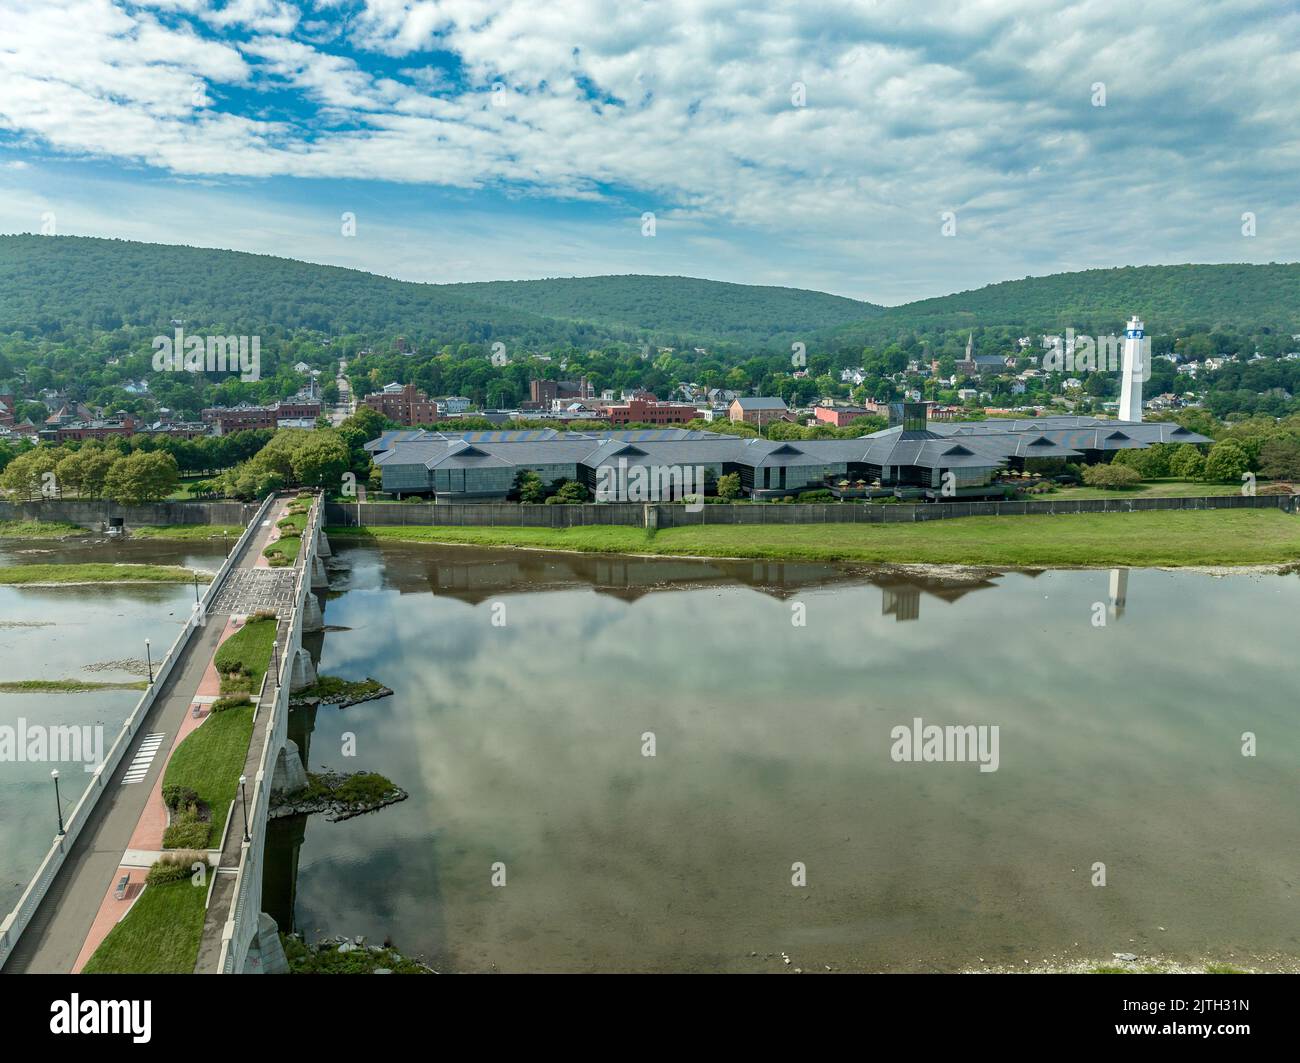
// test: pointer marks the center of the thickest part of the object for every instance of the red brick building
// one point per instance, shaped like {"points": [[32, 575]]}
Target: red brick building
{"points": [[407, 405], [229, 419], [839, 416], [79, 430], [647, 411]]}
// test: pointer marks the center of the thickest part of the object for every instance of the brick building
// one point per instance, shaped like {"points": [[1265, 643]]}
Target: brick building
{"points": [[543, 394], [405, 404], [839, 416], [757, 411], [649, 411]]}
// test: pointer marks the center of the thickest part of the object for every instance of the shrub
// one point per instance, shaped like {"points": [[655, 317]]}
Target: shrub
{"points": [[820, 495], [729, 485], [1111, 477], [175, 796], [172, 867], [187, 830], [237, 701]]}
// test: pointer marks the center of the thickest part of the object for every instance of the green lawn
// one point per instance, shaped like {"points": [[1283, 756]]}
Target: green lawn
{"points": [[99, 573], [1191, 537], [1146, 489], [288, 545], [210, 761], [160, 935], [243, 658]]}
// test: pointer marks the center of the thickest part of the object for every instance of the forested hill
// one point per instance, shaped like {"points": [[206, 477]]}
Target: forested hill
{"points": [[683, 304], [49, 284], [1236, 297]]}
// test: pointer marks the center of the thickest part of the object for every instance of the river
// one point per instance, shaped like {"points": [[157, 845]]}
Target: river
{"points": [[540, 836]]}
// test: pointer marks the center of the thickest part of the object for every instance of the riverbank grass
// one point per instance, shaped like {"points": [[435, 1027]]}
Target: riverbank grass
{"points": [[57, 529], [65, 686], [160, 934], [39, 529], [1164, 538], [187, 532], [20, 575]]}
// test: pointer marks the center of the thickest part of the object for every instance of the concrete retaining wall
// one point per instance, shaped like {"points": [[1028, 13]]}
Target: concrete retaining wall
{"points": [[375, 514], [90, 514]]}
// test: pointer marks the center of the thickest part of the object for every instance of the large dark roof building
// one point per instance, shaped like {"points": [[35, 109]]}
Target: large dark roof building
{"points": [[915, 458]]}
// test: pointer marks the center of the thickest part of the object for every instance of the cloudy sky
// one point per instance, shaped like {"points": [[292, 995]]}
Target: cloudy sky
{"points": [[818, 147]]}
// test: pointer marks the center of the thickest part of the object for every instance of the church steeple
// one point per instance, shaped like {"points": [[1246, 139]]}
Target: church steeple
{"points": [[970, 346]]}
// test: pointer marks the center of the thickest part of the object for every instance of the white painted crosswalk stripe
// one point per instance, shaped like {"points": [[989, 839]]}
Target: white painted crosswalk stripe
{"points": [[139, 766]]}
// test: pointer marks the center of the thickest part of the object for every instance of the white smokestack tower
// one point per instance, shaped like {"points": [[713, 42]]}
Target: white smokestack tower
{"points": [[1134, 370]]}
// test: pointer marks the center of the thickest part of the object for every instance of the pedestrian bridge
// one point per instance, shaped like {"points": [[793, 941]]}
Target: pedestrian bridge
{"points": [[54, 924]]}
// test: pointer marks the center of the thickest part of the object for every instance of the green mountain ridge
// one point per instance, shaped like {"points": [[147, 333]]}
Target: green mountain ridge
{"points": [[1203, 297], [49, 284], [639, 301]]}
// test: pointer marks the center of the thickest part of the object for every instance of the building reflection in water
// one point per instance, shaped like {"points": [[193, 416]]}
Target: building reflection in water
{"points": [[474, 576], [1118, 592]]}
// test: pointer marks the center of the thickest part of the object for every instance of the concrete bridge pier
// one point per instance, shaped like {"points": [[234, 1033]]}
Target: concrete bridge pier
{"points": [[323, 545], [265, 953], [312, 620], [304, 672], [290, 776], [319, 581]]}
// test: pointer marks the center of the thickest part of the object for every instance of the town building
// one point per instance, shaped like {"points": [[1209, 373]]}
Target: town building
{"points": [[649, 411], [403, 403], [544, 394], [123, 425], [757, 411], [245, 417], [839, 416]]}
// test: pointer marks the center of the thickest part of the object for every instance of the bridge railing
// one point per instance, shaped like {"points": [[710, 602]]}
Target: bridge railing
{"points": [[17, 920], [246, 906]]}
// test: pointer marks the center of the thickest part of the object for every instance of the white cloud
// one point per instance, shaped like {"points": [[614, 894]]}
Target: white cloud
{"points": [[984, 109]]}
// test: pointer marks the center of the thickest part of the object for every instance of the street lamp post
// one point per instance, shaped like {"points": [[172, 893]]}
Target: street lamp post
{"points": [[57, 803], [243, 800], [148, 656]]}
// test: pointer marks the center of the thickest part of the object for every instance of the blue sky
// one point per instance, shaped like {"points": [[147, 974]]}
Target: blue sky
{"points": [[817, 147]]}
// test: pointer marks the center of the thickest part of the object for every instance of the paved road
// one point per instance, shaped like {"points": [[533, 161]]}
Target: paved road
{"points": [[53, 939], [346, 406]]}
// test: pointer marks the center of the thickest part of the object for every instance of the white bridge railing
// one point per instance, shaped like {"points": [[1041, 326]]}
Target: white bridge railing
{"points": [[246, 905]]}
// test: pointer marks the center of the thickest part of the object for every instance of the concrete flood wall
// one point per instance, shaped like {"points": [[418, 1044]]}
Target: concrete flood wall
{"points": [[624, 514], [16, 921], [92, 514]]}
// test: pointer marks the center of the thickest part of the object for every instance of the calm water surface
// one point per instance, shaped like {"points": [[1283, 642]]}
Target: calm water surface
{"points": [[93, 632], [522, 745]]}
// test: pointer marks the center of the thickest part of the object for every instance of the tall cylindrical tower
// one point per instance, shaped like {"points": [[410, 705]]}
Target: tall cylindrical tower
{"points": [[1134, 372]]}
